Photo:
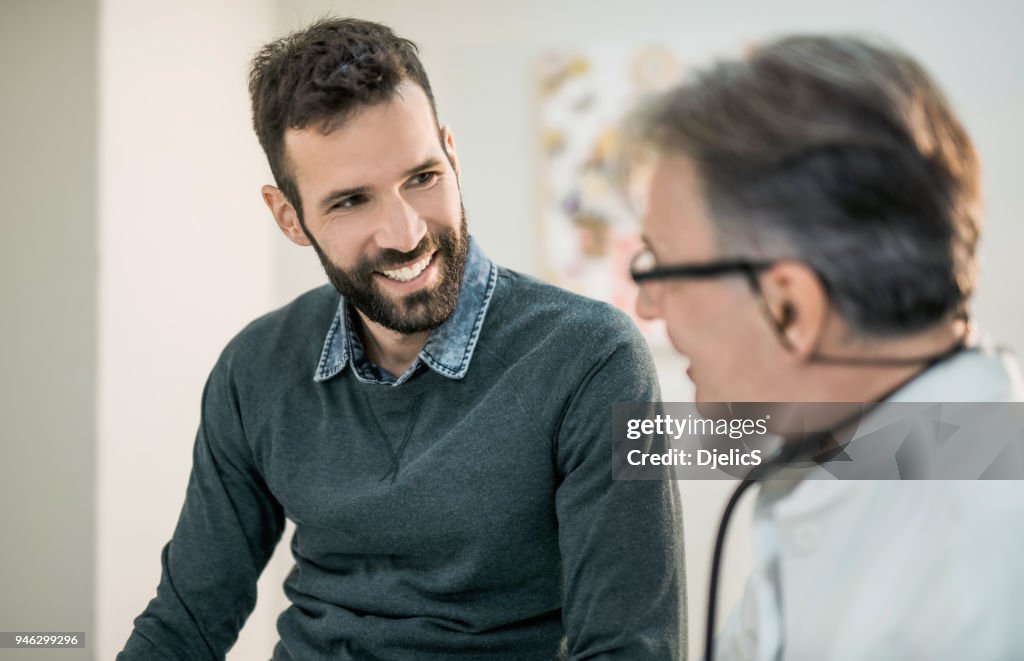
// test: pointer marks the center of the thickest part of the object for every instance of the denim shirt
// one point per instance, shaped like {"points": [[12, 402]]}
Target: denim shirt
{"points": [[449, 347]]}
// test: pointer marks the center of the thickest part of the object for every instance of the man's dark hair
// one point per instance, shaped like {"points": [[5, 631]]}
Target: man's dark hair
{"points": [[842, 154], [319, 77]]}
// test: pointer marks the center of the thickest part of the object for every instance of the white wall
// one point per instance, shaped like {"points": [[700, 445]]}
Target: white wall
{"points": [[189, 254], [186, 261]]}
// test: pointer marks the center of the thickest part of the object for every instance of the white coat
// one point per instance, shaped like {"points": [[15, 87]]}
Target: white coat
{"points": [[880, 570]]}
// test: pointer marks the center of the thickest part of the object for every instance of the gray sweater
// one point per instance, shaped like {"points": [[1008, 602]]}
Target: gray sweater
{"points": [[471, 518]]}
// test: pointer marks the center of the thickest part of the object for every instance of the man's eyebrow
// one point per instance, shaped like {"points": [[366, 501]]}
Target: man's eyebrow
{"points": [[425, 165], [334, 196]]}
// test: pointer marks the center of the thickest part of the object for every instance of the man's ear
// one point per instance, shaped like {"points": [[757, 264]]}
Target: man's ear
{"points": [[448, 142], [798, 305], [285, 215]]}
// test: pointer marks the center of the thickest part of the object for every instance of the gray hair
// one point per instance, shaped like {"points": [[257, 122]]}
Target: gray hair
{"points": [[842, 154]]}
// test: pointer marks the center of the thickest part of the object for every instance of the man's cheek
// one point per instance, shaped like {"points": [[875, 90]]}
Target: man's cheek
{"points": [[678, 330]]}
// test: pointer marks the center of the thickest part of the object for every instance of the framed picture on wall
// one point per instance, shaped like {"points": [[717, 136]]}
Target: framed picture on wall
{"points": [[589, 215]]}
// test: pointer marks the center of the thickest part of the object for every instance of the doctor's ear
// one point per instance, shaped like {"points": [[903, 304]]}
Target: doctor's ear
{"points": [[285, 215], [787, 315], [797, 304]]}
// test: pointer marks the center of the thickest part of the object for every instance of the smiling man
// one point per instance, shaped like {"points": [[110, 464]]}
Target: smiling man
{"points": [[437, 427], [386, 207]]}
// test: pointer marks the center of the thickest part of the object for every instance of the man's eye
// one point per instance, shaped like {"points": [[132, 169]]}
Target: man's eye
{"points": [[423, 178], [349, 202]]}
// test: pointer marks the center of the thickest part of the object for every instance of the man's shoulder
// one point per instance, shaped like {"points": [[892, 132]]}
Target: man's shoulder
{"points": [[550, 310], [532, 298], [555, 347], [290, 335]]}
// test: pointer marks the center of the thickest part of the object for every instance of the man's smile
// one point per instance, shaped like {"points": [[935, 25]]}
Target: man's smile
{"points": [[410, 272]]}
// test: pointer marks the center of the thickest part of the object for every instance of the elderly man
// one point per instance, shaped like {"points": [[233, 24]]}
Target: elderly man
{"points": [[810, 237]]}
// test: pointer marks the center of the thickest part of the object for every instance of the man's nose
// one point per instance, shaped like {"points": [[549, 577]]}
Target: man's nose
{"points": [[401, 228], [647, 306]]}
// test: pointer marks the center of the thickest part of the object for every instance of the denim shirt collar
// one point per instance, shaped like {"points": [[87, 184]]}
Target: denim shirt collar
{"points": [[449, 347]]}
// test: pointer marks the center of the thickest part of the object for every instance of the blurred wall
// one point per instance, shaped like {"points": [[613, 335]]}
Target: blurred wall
{"points": [[48, 298]]}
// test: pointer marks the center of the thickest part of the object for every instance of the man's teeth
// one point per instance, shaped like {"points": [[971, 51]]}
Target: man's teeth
{"points": [[409, 272]]}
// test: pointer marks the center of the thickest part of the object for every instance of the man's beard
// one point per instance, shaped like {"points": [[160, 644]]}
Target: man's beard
{"points": [[423, 310]]}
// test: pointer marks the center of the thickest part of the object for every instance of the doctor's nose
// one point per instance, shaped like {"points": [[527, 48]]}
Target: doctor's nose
{"points": [[648, 302]]}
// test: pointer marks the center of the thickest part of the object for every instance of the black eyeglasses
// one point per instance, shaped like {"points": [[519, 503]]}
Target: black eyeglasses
{"points": [[643, 268]]}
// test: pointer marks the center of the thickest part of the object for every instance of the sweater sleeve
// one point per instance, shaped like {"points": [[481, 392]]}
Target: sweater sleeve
{"points": [[620, 540], [227, 530]]}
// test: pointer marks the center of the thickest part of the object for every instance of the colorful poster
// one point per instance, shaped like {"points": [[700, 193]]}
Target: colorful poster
{"points": [[590, 227]]}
